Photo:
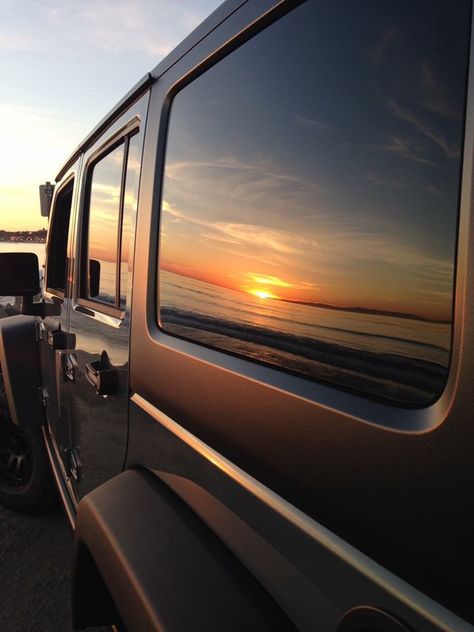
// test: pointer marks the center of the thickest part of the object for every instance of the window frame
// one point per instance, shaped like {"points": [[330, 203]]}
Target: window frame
{"points": [[222, 357]]}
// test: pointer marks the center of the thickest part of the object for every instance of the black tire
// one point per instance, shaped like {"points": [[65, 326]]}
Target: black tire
{"points": [[26, 481]]}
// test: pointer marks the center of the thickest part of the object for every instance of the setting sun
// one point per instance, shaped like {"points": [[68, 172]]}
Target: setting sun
{"points": [[264, 279], [262, 293]]}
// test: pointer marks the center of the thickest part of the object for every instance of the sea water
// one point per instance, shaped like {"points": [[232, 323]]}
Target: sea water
{"points": [[401, 358]]}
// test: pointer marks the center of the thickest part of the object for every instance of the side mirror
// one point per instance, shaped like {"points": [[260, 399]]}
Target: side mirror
{"points": [[19, 274], [46, 197], [94, 278]]}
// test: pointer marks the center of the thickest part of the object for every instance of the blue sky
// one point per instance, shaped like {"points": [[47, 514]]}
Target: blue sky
{"points": [[63, 65]]}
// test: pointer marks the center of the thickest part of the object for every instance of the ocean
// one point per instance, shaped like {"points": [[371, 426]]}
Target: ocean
{"points": [[404, 360]]}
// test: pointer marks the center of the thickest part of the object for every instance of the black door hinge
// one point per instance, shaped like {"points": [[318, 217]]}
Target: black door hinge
{"points": [[40, 330], [74, 464], [44, 396]]}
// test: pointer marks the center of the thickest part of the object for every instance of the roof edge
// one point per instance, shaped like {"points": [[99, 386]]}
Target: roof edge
{"points": [[221, 13], [209, 24], [131, 96]]}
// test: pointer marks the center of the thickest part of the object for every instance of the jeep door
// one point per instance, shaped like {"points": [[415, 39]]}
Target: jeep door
{"points": [[52, 330], [100, 310], [297, 372]]}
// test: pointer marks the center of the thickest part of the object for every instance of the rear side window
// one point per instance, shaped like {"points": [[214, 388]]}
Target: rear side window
{"points": [[58, 237], [311, 192]]}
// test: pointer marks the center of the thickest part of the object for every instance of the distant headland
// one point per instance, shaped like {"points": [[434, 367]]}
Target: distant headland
{"points": [[368, 310], [34, 236]]}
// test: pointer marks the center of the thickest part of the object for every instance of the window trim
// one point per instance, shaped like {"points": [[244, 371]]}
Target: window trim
{"points": [[87, 306]]}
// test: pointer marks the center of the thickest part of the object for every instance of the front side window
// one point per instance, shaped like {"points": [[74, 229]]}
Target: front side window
{"points": [[310, 197], [58, 238]]}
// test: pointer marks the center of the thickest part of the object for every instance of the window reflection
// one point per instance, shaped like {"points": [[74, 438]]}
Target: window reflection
{"points": [[104, 213], [311, 190]]}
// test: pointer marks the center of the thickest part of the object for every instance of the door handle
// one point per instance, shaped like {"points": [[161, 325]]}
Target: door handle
{"points": [[105, 381], [59, 339]]}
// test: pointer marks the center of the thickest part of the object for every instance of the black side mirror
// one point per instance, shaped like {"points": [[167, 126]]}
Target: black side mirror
{"points": [[19, 274], [94, 277]]}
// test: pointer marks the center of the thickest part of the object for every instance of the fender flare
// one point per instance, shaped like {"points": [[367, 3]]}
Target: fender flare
{"points": [[20, 367], [144, 559]]}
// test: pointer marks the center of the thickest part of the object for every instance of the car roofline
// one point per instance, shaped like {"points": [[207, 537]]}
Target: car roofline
{"points": [[199, 33]]}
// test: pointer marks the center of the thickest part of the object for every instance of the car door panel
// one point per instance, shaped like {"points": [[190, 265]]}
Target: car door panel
{"points": [[98, 422]]}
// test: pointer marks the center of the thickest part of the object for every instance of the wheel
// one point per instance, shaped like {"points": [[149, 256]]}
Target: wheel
{"points": [[26, 481]]}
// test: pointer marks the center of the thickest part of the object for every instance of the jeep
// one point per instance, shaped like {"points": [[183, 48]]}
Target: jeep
{"points": [[250, 370]]}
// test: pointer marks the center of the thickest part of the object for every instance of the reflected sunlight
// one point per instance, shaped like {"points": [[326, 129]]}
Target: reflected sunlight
{"points": [[262, 293]]}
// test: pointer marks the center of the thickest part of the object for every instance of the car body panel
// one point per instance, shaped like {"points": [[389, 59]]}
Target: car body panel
{"points": [[314, 574], [98, 425], [374, 474], [52, 360]]}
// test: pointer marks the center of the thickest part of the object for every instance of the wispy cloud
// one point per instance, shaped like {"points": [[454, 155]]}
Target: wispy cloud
{"points": [[239, 234], [384, 180], [151, 27], [432, 94], [266, 279], [312, 123], [405, 148], [421, 124], [425, 103]]}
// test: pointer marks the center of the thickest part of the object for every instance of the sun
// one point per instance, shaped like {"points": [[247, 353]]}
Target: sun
{"points": [[261, 293]]}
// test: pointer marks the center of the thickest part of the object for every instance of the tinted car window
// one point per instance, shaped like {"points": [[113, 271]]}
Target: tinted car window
{"points": [[57, 256], [310, 197], [104, 217]]}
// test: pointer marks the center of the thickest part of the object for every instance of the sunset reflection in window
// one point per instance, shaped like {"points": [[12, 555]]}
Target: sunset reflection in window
{"points": [[309, 208], [104, 216]]}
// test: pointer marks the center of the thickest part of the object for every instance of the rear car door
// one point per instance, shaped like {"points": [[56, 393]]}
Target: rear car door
{"points": [[100, 310], [301, 347]]}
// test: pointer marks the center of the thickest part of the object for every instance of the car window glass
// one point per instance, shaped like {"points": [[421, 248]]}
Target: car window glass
{"points": [[310, 198], [103, 226], [57, 253]]}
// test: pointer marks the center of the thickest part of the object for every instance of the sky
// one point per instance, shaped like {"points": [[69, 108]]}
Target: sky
{"points": [[333, 181], [63, 65]]}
